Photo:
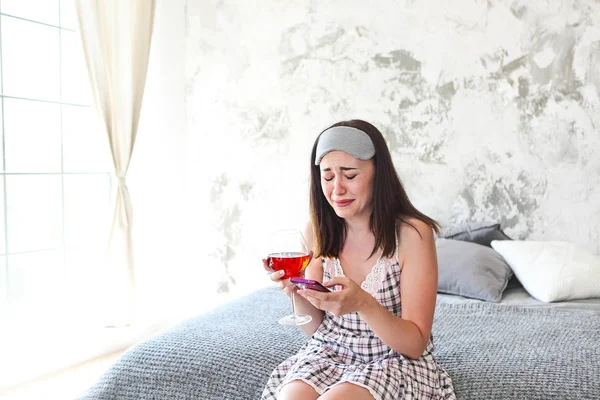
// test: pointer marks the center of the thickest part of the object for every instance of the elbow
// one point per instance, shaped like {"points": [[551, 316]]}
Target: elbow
{"points": [[310, 328], [414, 354], [417, 350], [420, 344]]}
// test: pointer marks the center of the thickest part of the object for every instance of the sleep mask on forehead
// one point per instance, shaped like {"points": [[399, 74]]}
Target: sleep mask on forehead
{"points": [[347, 139]]}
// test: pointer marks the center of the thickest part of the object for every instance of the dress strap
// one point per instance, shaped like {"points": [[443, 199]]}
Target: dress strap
{"points": [[395, 255]]}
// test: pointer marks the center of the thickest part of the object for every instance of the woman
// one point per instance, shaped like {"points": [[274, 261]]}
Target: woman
{"points": [[371, 336]]}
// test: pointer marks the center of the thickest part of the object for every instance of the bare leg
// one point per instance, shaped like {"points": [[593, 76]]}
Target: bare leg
{"points": [[297, 390], [347, 391]]}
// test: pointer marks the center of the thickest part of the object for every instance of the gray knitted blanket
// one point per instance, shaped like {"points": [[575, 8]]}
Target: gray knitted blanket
{"points": [[491, 352]]}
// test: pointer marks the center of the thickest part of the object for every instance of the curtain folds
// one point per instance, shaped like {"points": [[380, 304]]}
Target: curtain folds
{"points": [[116, 37]]}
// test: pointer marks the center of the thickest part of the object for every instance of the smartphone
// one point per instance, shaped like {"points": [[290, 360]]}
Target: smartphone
{"points": [[309, 284]]}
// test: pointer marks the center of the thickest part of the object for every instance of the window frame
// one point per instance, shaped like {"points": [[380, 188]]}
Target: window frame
{"points": [[5, 272]]}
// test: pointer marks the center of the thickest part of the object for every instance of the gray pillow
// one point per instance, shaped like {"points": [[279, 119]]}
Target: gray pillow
{"points": [[471, 270], [479, 232]]}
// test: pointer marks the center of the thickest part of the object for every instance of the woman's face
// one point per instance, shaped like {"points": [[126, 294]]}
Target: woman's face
{"points": [[348, 184]]}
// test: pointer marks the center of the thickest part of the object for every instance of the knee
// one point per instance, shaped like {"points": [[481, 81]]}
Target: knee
{"points": [[347, 391], [297, 390]]}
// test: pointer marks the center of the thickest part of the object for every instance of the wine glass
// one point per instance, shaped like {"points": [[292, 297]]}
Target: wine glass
{"points": [[287, 251]]}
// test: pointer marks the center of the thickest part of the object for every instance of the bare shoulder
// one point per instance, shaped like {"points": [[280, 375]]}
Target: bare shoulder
{"points": [[417, 245], [415, 232]]}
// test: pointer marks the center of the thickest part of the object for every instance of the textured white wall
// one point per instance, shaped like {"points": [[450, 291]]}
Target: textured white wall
{"points": [[490, 108], [158, 175]]}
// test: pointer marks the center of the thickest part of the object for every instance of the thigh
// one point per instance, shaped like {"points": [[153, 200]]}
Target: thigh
{"points": [[347, 390], [297, 390]]}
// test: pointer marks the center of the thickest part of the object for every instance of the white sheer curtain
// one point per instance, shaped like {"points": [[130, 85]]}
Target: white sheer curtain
{"points": [[116, 37]]}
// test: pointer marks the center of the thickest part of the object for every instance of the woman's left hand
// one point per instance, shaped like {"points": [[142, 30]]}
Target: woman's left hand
{"points": [[350, 298]]}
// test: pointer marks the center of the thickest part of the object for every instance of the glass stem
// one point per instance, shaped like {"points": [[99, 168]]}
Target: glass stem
{"points": [[293, 302]]}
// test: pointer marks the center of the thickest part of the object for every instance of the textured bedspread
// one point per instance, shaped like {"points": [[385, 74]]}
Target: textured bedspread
{"points": [[490, 351], [505, 352]]}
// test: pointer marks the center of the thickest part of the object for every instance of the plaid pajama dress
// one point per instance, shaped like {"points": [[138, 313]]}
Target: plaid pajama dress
{"points": [[345, 349]]}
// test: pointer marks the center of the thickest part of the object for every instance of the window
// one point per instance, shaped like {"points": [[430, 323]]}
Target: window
{"points": [[55, 183]]}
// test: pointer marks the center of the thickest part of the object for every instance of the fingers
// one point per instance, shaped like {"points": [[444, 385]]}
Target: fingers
{"points": [[287, 286], [338, 280], [266, 265], [276, 276], [331, 302], [283, 284], [322, 301], [315, 297], [288, 289]]}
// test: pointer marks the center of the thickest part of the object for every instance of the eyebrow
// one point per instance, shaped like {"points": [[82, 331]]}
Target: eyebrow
{"points": [[342, 168]]}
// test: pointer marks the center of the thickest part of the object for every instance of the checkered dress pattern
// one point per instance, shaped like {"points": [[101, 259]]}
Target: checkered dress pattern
{"points": [[345, 349]]}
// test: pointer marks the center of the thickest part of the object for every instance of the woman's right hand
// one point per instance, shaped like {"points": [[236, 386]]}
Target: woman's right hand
{"points": [[283, 284]]}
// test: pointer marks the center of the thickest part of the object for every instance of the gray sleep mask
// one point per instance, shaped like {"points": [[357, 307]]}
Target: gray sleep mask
{"points": [[347, 139]]}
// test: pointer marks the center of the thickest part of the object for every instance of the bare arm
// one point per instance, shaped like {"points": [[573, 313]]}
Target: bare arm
{"points": [[409, 334]]}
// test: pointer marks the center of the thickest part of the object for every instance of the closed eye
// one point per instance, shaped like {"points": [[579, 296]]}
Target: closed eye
{"points": [[347, 177]]}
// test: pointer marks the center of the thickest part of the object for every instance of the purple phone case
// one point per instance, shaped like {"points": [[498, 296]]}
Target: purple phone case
{"points": [[309, 284]]}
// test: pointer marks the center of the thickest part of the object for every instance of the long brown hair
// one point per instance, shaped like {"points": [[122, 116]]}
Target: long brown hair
{"points": [[391, 205]]}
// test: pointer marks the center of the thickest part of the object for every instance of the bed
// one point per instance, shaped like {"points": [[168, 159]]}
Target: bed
{"points": [[492, 332], [519, 348]]}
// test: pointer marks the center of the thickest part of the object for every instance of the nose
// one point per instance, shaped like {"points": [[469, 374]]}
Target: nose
{"points": [[338, 187]]}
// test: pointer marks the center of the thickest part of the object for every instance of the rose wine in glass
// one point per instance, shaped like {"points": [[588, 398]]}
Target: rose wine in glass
{"points": [[292, 263], [288, 252]]}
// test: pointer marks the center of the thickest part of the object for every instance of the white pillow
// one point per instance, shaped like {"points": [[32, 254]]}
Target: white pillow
{"points": [[552, 271]]}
